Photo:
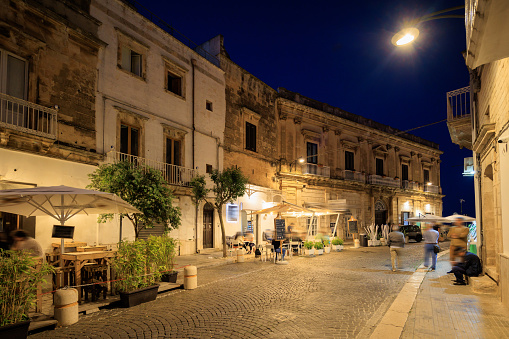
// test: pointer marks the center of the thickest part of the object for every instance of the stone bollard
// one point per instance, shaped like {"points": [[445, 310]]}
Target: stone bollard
{"points": [[190, 277], [240, 255], [356, 243], [66, 306]]}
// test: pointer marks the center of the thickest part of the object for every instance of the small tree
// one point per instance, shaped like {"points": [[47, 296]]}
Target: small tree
{"points": [[228, 186], [144, 188]]}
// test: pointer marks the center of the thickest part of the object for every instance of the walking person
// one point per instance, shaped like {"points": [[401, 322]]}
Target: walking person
{"points": [[22, 242], [396, 241], [459, 237], [430, 241]]}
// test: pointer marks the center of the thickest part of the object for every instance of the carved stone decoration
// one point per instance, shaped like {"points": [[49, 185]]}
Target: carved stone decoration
{"points": [[412, 153], [325, 129], [419, 155], [283, 116], [297, 120], [396, 149], [388, 147], [439, 161], [4, 138], [432, 159], [360, 139], [337, 132]]}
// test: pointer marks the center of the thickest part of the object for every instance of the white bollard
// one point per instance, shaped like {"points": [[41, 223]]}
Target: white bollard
{"points": [[240, 255], [190, 277], [66, 306], [356, 243]]}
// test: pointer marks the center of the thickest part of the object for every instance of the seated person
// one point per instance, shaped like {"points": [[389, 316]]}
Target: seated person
{"points": [[22, 242], [239, 238], [249, 241], [467, 264], [277, 247]]}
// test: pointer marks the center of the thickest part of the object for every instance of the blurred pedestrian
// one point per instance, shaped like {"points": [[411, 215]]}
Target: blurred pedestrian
{"points": [[430, 241], [4, 241], [396, 242], [22, 242], [249, 241], [467, 264], [459, 237]]}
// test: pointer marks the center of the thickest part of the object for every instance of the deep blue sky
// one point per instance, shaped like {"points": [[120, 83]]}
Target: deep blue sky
{"points": [[339, 52]]}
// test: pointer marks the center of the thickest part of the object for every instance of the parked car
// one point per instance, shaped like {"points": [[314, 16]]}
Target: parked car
{"points": [[412, 231]]}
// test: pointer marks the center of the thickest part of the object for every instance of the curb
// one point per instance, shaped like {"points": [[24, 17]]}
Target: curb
{"points": [[394, 320]]}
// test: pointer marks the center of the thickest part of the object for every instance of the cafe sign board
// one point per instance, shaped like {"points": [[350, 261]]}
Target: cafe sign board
{"points": [[64, 232], [280, 226], [352, 225]]}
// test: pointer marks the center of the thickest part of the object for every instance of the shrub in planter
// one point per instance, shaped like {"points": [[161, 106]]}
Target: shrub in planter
{"points": [[318, 247], [326, 244], [337, 244], [20, 274], [308, 245], [163, 253]]}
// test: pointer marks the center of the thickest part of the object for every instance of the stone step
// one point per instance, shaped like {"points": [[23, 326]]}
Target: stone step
{"points": [[482, 284]]}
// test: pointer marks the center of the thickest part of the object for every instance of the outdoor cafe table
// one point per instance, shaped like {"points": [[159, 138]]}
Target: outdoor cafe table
{"points": [[78, 259], [56, 246]]}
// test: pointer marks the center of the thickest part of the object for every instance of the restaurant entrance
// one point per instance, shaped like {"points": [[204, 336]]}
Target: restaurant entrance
{"points": [[208, 226]]}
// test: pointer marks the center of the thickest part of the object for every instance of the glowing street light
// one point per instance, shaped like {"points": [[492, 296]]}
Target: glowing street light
{"points": [[410, 32]]}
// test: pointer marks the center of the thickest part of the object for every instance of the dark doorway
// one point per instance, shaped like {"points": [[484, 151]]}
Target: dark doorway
{"points": [[208, 226], [380, 213]]}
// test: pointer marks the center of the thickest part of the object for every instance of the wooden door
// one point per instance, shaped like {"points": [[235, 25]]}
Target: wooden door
{"points": [[208, 226]]}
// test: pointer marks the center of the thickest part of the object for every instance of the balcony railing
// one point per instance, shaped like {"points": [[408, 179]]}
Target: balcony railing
{"points": [[410, 185], [24, 116], [173, 174], [383, 181], [431, 189], [458, 103], [354, 176], [314, 169]]}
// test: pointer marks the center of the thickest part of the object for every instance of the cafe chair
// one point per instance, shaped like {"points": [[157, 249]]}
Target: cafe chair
{"points": [[95, 273]]}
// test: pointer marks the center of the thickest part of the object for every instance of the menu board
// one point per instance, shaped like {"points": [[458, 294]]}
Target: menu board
{"points": [[352, 226], [63, 232], [280, 228]]}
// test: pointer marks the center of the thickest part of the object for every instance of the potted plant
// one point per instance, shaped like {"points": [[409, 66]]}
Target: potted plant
{"points": [[165, 257], [308, 245], [137, 276], [326, 244], [337, 244], [318, 247], [21, 274]]}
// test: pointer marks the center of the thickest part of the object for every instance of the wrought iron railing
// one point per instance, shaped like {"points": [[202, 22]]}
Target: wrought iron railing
{"points": [[431, 189], [354, 176], [410, 185], [24, 116], [314, 169], [458, 103], [173, 174], [383, 181]]}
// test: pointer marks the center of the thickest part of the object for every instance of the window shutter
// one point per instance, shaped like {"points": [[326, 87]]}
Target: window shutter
{"points": [[126, 58]]}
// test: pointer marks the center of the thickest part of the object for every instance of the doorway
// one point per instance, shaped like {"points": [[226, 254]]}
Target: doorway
{"points": [[208, 226], [380, 213]]}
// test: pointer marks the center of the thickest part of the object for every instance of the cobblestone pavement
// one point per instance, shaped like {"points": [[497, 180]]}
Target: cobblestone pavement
{"points": [[337, 295], [443, 310]]}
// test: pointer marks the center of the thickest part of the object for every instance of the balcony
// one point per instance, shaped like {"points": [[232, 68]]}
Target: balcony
{"points": [[431, 189], [410, 185], [27, 117], [174, 175], [313, 169], [459, 117], [374, 179], [354, 176]]}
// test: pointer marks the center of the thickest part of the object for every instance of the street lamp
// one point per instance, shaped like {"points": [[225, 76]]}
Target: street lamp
{"points": [[410, 32]]}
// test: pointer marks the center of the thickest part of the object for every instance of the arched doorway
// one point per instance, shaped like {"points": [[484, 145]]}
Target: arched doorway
{"points": [[208, 225], [380, 213]]}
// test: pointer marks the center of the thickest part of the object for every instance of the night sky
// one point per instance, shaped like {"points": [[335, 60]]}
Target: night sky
{"points": [[339, 52]]}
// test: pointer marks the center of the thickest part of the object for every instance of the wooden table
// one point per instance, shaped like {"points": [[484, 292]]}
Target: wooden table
{"points": [[90, 248], [78, 259], [75, 244]]}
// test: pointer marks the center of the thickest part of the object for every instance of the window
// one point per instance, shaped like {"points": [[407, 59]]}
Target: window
{"points": [[349, 161], [313, 225], [404, 218], [174, 83], [250, 137], [404, 172], [173, 152], [379, 166], [208, 168], [232, 213], [13, 75], [129, 140], [132, 61], [426, 176], [312, 153], [208, 105]]}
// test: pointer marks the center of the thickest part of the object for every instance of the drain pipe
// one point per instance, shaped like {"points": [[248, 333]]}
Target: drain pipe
{"points": [[193, 65]]}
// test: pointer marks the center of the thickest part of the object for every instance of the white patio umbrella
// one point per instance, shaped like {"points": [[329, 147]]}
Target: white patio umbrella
{"points": [[428, 218], [61, 203], [465, 218]]}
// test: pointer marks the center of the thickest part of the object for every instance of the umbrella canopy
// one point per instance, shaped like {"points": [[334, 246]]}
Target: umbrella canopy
{"points": [[465, 218], [61, 202], [284, 208], [428, 218]]}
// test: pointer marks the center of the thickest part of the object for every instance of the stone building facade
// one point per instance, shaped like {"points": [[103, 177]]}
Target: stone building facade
{"points": [[484, 128], [48, 60], [159, 103]]}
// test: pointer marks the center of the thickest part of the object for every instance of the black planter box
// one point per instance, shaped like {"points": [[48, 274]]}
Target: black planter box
{"points": [[143, 295], [15, 331], [170, 277]]}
